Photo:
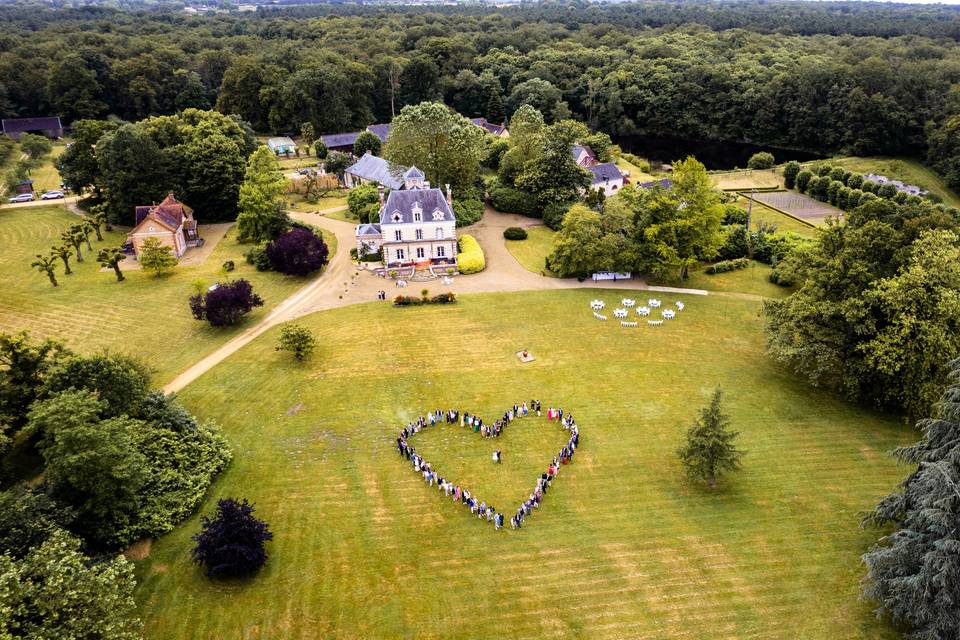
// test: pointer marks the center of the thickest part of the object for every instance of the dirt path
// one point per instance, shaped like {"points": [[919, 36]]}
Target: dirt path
{"points": [[343, 284]]}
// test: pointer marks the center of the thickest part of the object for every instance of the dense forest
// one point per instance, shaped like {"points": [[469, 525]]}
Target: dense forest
{"points": [[820, 77]]}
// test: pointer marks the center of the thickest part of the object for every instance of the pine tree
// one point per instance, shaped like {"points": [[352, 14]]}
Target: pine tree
{"points": [[709, 451], [232, 543], [914, 573], [495, 112]]}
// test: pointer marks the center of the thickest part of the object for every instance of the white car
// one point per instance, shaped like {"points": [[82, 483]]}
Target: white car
{"points": [[23, 197], [52, 195]]}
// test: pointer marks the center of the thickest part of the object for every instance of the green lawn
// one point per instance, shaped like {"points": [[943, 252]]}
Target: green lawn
{"points": [[904, 169], [145, 316], [532, 253], [636, 173], [298, 202], [623, 546], [753, 280], [46, 177]]}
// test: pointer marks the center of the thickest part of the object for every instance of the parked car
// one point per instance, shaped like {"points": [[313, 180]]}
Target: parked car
{"points": [[23, 197], [52, 195]]}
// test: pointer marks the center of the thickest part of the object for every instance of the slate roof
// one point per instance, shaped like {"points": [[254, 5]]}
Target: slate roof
{"points": [[368, 230], [577, 149], [340, 139], [495, 129], [403, 202], [19, 125], [666, 184], [370, 167], [382, 131], [413, 173], [170, 213], [605, 172]]}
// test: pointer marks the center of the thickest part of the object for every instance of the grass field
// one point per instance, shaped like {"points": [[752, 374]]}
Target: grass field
{"points": [[747, 179], [904, 169], [623, 546], [636, 173], [46, 177], [145, 316], [298, 202], [532, 253]]}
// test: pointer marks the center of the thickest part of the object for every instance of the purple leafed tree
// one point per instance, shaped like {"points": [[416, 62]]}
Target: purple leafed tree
{"points": [[297, 252], [232, 543], [226, 304]]}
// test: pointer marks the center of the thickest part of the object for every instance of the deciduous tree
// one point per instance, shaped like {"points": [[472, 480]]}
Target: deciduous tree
{"points": [[156, 258], [298, 340]]}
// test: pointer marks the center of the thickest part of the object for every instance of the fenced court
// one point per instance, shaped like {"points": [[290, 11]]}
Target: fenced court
{"points": [[798, 205]]}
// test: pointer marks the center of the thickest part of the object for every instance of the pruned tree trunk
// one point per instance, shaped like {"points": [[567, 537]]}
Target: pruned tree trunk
{"points": [[116, 269]]}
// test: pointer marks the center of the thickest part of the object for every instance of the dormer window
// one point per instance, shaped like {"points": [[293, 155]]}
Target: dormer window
{"points": [[397, 217], [417, 217], [438, 215]]}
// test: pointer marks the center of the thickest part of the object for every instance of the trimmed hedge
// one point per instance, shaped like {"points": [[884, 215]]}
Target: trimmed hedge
{"points": [[467, 211], [515, 233], [470, 258], [728, 265], [414, 301]]}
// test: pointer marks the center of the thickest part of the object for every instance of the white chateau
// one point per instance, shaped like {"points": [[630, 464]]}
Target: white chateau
{"points": [[417, 226]]}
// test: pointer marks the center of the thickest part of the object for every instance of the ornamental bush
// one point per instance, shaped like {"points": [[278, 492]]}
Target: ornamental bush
{"points": [[226, 303], [554, 213], [515, 233], [728, 265], [803, 178], [257, 256], [510, 200], [470, 258], [232, 543], [297, 252], [790, 171]]}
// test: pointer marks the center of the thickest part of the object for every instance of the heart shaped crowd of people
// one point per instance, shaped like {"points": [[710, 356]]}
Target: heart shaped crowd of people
{"points": [[463, 496]]}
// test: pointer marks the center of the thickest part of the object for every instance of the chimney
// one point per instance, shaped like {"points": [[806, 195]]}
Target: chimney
{"points": [[380, 191], [449, 197]]}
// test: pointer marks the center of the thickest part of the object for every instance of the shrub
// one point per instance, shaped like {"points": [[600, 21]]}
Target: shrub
{"points": [[855, 181], [554, 213], [887, 191], [360, 199], [790, 171], [824, 170], [761, 160], [735, 245], [225, 304], [297, 252], [229, 266], [515, 233], [803, 179], [869, 186], [470, 258], [728, 265], [510, 200], [232, 543], [257, 256], [467, 211], [494, 153], [413, 301]]}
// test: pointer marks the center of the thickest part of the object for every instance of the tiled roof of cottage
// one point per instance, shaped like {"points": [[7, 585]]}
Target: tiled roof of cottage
{"points": [[170, 213], [401, 205], [577, 149], [605, 172], [370, 167]]}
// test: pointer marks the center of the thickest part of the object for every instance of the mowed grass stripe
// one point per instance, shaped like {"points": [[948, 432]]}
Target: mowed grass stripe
{"points": [[623, 545]]}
